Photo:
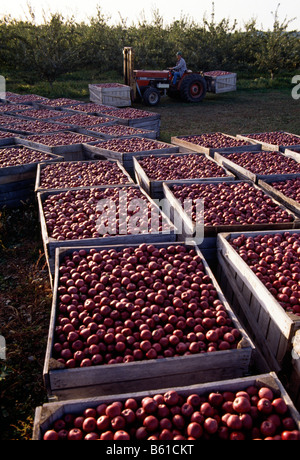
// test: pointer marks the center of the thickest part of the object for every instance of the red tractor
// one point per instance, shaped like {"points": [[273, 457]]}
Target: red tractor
{"points": [[150, 85]]}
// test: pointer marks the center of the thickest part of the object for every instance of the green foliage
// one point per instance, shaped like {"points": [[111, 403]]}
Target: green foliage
{"points": [[59, 46], [279, 49]]}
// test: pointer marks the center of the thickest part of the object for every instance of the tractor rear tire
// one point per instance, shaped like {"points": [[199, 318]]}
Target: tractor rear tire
{"points": [[151, 96], [193, 88]]}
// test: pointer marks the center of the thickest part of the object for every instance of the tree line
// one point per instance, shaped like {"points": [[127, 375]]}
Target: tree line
{"points": [[59, 46]]}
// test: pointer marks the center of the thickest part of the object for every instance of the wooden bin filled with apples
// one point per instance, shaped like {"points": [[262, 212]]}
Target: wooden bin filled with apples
{"points": [[174, 357], [222, 193], [248, 408], [151, 171], [124, 149], [155, 225], [18, 166], [284, 190], [262, 296], [262, 165], [273, 140], [209, 143], [74, 174], [67, 144]]}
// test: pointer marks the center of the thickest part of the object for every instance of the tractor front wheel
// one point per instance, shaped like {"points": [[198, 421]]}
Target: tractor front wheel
{"points": [[151, 96], [193, 88]]}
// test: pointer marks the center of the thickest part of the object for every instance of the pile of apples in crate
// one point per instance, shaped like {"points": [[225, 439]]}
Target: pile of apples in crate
{"points": [[145, 302], [250, 414]]}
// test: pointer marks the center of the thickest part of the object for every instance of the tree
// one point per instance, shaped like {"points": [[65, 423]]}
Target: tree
{"points": [[279, 48], [46, 51]]}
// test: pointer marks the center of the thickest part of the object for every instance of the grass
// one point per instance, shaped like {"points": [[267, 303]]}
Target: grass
{"points": [[25, 295], [244, 111], [25, 299]]}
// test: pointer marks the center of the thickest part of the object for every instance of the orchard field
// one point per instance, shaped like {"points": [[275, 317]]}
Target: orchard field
{"points": [[25, 294], [265, 63]]}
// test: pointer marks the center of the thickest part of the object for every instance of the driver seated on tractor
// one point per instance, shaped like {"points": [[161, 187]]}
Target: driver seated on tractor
{"points": [[179, 69]]}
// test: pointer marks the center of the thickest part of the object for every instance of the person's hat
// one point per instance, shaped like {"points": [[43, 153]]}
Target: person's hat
{"points": [[179, 53]]}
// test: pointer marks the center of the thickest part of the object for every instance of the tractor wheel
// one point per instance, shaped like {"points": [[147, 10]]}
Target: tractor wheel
{"points": [[193, 88], [151, 96]]}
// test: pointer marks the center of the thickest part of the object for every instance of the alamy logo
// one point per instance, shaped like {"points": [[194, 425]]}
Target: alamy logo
{"points": [[2, 347], [132, 216], [2, 88], [296, 89]]}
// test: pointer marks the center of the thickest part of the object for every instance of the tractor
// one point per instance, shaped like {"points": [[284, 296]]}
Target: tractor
{"points": [[149, 85]]}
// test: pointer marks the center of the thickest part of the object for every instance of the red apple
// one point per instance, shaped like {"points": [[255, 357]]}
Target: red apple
{"points": [[51, 435], [194, 430], [241, 404], [210, 425], [75, 434], [264, 405], [279, 406], [89, 424]]}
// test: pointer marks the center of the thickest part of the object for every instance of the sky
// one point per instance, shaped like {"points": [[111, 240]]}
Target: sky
{"points": [[132, 10]]}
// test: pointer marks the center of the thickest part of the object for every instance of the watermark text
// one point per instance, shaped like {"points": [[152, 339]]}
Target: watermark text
{"points": [[2, 88], [296, 89], [134, 216]]}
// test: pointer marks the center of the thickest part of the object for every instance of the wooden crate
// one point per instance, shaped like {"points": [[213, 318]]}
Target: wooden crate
{"points": [[190, 228], [25, 99], [50, 244], [126, 158], [39, 188], [243, 173], [15, 194], [144, 375], [183, 142], [70, 152], [22, 127], [121, 131], [47, 414], [152, 121], [289, 203], [268, 146], [59, 103], [206, 236], [221, 83], [154, 188], [7, 139], [17, 182], [117, 95], [269, 325]]}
